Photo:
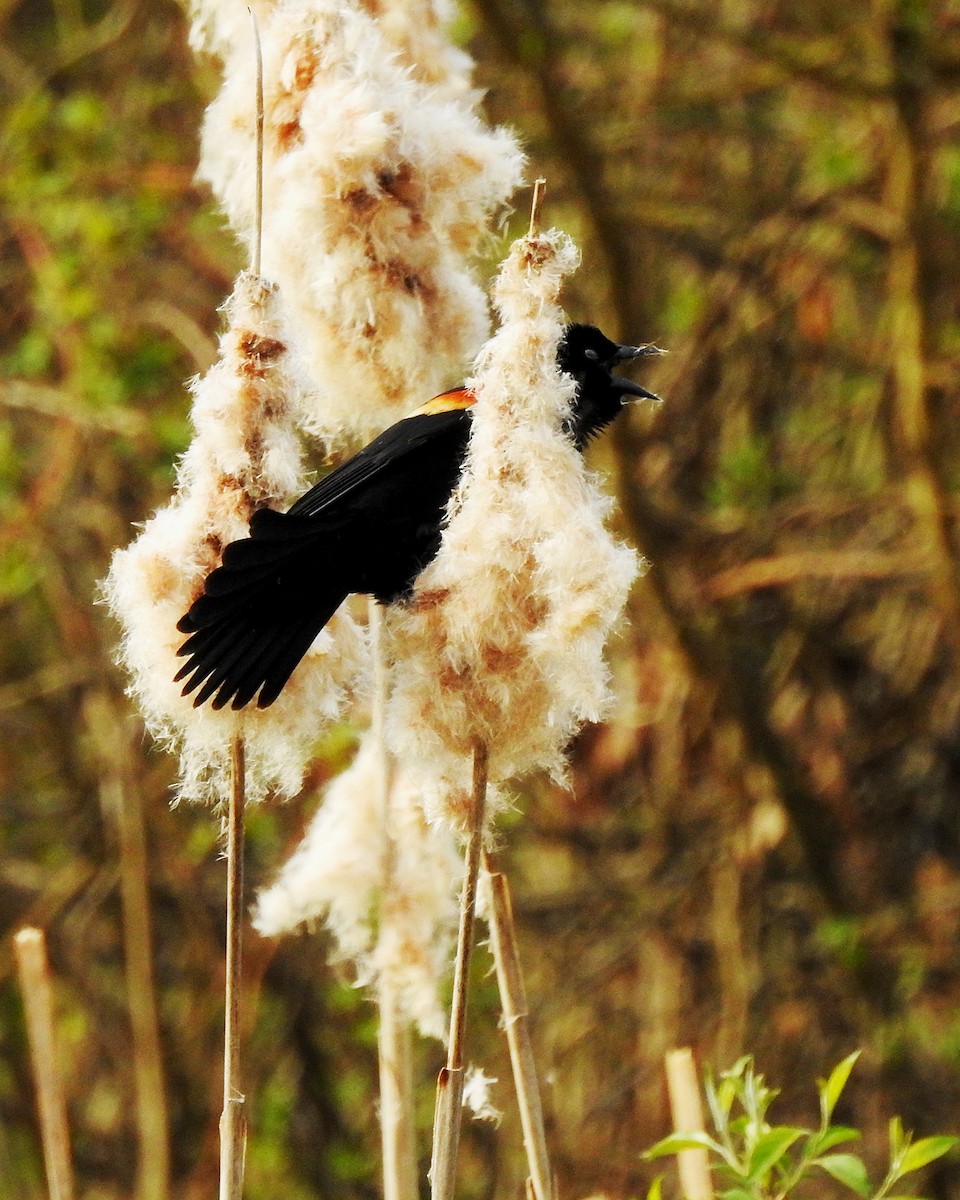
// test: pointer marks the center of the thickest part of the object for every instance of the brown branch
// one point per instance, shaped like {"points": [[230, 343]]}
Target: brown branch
{"points": [[804, 565], [911, 430], [121, 799]]}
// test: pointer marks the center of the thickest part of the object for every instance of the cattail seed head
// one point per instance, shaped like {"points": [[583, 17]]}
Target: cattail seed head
{"points": [[244, 455], [503, 639], [379, 186], [337, 873]]}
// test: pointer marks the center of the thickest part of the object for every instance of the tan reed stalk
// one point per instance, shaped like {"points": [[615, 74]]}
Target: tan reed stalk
{"points": [[233, 1125], [233, 1122], [258, 185], [687, 1112], [536, 205], [449, 1107], [394, 1039], [34, 972], [513, 1000]]}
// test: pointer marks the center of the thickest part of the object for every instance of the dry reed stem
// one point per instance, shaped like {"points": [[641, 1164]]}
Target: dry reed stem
{"points": [[394, 1040], [233, 1121], [34, 972], [536, 206], [397, 1130], [153, 1182], [516, 1021], [258, 207], [687, 1112], [233, 1126], [448, 1112]]}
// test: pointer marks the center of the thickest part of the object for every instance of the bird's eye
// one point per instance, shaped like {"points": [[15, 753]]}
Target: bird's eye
{"points": [[591, 355]]}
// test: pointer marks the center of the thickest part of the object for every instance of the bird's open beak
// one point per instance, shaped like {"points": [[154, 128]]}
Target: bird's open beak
{"points": [[629, 388], [626, 386], [627, 352]]}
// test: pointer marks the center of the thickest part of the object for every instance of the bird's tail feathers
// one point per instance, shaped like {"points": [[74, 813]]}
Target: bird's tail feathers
{"points": [[259, 612]]}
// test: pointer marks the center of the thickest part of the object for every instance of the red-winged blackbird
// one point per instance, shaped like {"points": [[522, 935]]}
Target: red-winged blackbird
{"points": [[370, 526]]}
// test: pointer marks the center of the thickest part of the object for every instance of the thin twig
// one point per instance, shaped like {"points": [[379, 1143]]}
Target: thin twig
{"points": [[687, 1112], [394, 1040], [536, 206], [516, 1021], [449, 1107], [34, 974], [233, 1132], [258, 217]]}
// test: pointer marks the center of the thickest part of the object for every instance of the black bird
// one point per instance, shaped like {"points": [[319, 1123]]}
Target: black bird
{"points": [[370, 526]]}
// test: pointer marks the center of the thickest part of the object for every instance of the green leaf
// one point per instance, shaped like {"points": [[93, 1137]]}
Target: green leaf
{"points": [[925, 1151], [847, 1169], [770, 1149], [830, 1137], [738, 1193], [655, 1191], [897, 1141], [675, 1142], [720, 1100], [830, 1089]]}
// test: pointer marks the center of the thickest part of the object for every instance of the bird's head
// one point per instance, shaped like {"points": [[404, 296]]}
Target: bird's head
{"points": [[590, 357]]}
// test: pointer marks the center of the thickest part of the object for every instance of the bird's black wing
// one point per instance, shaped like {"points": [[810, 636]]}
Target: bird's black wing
{"points": [[430, 425], [363, 527]]}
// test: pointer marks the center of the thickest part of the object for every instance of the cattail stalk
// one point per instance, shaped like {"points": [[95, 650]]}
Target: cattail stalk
{"points": [[233, 1131], [536, 206], [34, 973], [687, 1112], [394, 1042], [513, 1000], [233, 1123], [449, 1107], [258, 201]]}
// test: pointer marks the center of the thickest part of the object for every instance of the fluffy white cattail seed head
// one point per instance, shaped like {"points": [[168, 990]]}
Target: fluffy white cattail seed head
{"points": [[418, 30], [414, 29], [378, 187], [244, 455], [337, 873], [503, 640]]}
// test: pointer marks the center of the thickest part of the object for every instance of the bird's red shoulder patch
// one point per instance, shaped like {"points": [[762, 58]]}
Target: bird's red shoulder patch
{"points": [[457, 398]]}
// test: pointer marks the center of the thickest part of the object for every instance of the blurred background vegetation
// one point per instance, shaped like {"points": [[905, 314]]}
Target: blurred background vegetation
{"points": [[762, 848]]}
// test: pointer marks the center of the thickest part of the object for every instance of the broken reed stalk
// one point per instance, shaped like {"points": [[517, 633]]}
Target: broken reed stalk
{"points": [[34, 972], [687, 1111], [449, 1107], [513, 1000], [394, 1038], [233, 1126], [536, 206]]}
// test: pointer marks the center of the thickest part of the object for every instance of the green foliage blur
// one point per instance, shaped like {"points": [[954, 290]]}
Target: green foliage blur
{"points": [[760, 852], [754, 1160]]}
